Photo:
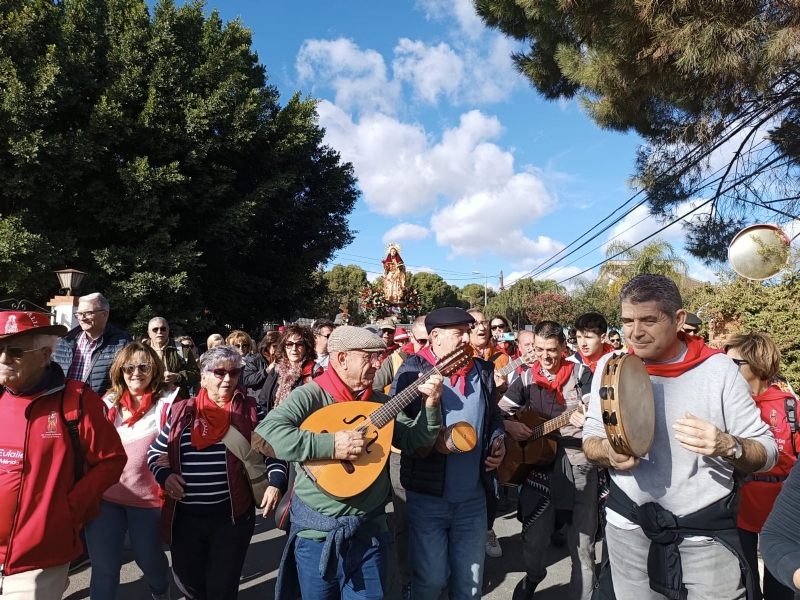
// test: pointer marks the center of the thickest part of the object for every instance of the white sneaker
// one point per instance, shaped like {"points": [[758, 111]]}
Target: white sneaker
{"points": [[493, 548]]}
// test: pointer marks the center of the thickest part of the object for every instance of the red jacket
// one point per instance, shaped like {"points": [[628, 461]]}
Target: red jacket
{"points": [[51, 507]]}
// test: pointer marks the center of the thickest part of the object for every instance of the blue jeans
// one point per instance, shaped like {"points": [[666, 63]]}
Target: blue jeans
{"points": [[361, 572], [447, 545], [105, 537]]}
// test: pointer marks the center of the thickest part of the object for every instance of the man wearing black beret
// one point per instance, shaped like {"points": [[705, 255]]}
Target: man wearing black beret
{"points": [[446, 492]]}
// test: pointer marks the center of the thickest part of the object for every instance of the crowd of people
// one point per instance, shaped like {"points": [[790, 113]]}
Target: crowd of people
{"points": [[103, 435]]}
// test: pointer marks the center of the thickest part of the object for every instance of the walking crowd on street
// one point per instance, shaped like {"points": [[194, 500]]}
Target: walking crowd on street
{"points": [[318, 428]]}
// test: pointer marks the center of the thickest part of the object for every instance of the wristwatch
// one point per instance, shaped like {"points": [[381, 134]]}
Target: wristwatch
{"points": [[738, 450]]}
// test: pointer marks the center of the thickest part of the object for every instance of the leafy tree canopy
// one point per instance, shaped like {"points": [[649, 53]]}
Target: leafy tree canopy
{"points": [[149, 150], [473, 294], [688, 77], [657, 257], [435, 292], [518, 297]]}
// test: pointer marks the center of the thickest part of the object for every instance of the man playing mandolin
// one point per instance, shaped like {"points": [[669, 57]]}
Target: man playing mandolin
{"points": [[338, 546], [671, 514]]}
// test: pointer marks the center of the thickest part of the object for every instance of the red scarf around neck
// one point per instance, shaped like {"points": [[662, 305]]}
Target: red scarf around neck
{"points": [[211, 422], [562, 377], [332, 383], [592, 364], [459, 376], [127, 403], [696, 352]]}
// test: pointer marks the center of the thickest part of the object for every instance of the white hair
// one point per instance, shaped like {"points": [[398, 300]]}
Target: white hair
{"points": [[96, 297], [154, 319], [44, 340]]}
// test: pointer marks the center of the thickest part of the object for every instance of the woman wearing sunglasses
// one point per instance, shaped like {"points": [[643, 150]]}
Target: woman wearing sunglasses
{"points": [[293, 366], [138, 407], [242, 341], [209, 512]]}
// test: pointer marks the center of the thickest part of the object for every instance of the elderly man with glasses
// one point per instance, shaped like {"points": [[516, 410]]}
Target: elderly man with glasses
{"points": [[179, 372], [86, 352], [339, 547], [47, 489]]}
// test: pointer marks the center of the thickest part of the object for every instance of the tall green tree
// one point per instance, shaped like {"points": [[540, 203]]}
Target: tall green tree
{"points": [[149, 150], [518, 297], [435, 292], [338, 288], [688, 77], [657, 257], [473, 294]]}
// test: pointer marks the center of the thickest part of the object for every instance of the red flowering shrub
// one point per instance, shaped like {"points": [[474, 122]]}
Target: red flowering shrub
{"points": [[552, 307]]}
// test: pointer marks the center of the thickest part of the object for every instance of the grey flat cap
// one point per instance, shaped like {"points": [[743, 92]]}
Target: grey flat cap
{"points": [[347, 338]]}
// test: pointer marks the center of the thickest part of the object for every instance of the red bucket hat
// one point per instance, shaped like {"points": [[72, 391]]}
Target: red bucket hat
{"points": [[18, 322], [400, 335]]}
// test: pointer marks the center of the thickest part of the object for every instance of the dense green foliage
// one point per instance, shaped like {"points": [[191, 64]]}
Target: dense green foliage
{"points": [[517, 298], [688, 77], [150, 151], [435, 292]]}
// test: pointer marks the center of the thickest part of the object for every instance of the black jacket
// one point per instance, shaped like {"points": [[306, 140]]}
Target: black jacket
{"points": [[98, 378], [255, 373], [425, 474]]}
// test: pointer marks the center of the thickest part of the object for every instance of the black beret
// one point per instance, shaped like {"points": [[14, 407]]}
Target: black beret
{"points": [[447, 317], [693, 319]]}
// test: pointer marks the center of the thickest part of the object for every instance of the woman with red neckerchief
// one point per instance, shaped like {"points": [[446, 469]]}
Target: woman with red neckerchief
{"points": [[759, 361]]}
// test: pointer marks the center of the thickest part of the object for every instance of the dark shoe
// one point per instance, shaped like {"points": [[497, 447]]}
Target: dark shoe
{"points": [[558, 538], [80, 562], [524, 590]]}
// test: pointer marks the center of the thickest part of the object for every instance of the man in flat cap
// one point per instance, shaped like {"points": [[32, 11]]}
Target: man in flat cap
{"points": [[58, 454], [340, 546], [446, 492]]}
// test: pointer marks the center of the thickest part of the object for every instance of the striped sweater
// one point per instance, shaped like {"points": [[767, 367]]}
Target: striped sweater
{"points": [[205, 471]]}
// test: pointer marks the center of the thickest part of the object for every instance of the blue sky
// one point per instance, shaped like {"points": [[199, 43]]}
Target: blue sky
{"points": [[459, 160]]}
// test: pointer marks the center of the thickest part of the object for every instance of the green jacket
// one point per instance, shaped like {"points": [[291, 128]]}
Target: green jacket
{"points": [[281, 432], [187, 368]]}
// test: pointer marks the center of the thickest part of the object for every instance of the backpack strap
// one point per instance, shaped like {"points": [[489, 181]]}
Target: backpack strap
{"points": [[74, 434], [790, 406], [495, 356]]}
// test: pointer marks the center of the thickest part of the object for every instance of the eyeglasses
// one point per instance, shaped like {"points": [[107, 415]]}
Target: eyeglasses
{"points": [[220, 373], [479, 323], [241, 346], [293, 344], [157, 329], [15, 353], [739, 362], [323, 335], [499, 326], [144, 368], [372, 357], [421, 341], [86, 313], [385, 331]]}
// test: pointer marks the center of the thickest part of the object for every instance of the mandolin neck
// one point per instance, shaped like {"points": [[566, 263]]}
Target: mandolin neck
{"points": [[517, 362], [392, 408], [552, 425]]}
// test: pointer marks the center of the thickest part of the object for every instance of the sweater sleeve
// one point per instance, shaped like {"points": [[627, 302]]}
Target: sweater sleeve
{"points": [[780, 537], [104, 456], [515, 397], [281, 429], [384, 376], [157, 448]]}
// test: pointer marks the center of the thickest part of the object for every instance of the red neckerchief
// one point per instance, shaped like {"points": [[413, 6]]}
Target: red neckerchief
{"points": [[696, 352], [144, 406], [211, 422], [332, 383], [408, 348], [562, 377], [592, 364], [460, 375], [308, 369]]}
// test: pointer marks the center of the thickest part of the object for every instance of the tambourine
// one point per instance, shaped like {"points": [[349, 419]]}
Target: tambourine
{"points": [[460, 437], [627, 404]]}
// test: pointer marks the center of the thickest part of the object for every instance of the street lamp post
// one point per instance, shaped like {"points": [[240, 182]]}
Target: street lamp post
{"points": [[64, 306], [485, 287]]}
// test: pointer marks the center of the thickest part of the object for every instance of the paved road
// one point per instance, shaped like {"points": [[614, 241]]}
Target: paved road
{"points": [[261, 568]]}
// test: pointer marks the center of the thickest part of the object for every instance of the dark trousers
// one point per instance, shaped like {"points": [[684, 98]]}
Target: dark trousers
{"points": [[492, 503], [773, 589], [208, 553]]}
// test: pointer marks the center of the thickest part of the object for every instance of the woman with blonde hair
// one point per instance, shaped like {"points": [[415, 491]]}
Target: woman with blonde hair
{"points": [[138, 407], [214, 340], [759, 361], [241, 341]]}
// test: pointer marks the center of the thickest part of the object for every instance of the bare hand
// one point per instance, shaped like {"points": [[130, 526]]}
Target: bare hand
{"points": [[270, 501], [171, 378], [432, 390], [703, 437], [577, 419], [348, 445], [162, 460], [174, 486], [519, 431], [492, 462], [619, 460]]}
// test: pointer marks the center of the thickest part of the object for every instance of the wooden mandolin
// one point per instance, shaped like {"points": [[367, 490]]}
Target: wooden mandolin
{"points": [[344, 478], [539, 449], [517, 362]]}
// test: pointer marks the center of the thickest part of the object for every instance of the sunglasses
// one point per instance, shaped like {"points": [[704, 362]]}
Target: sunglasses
{"points": [[144, 368], [234, 373], [86, 313], [500, 326], [157, 329], [15, 353], [293, 344], [240, 346], [739, 362], [421, 341], [323, 335]]}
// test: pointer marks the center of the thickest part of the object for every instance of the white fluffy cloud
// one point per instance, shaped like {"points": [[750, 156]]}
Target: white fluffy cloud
{"points": [[431, 70], [405, 231], [463, 11]]}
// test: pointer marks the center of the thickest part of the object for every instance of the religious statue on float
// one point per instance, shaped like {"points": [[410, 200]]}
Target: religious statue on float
{"points": [[394, 275]]}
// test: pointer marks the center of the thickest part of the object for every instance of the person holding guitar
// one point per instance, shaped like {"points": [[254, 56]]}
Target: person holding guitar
{"points": [[446, 490], [338, 546], [566, 489]]}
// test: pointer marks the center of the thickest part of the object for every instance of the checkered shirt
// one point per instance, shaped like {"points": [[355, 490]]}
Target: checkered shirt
{"points": [[82, 360]]}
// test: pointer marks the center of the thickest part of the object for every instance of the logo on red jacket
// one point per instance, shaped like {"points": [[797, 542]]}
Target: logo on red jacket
{"points": [[773, 418], [52, 426]]}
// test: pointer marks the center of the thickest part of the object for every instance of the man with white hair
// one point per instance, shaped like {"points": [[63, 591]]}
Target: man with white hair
{"points": [[58, 454], [179, 372], [86, 353]]}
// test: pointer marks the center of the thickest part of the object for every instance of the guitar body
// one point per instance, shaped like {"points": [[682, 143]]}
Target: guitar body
{"points": [[521, 457], [344, 478]]}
